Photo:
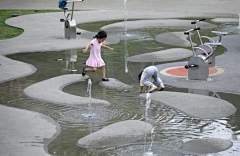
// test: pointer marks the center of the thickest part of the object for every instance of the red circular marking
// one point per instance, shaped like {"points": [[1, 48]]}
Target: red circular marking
{"points": [[178, 71], [212, 70], [181, 71]]}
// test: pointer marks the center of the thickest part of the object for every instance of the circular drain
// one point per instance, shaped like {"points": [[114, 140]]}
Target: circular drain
{"points": [[180, 71], [74, 70], [57, 60], [14, 15]]}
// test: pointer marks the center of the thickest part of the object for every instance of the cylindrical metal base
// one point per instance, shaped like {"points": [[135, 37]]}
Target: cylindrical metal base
{"points": [[201, 72], [70, 29]]}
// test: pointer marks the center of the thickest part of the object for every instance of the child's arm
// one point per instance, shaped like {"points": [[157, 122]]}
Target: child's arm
{"points": [[140, 89], [86, 49], [107, 47]]}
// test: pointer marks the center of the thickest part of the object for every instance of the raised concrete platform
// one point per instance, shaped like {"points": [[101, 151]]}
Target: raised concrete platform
{"points": [[25, 132], [51, 91], [226, 20], [174, 38], [207, 145], [196, 106], [162, 56], [148, 24], [12, 69], [115, 84], [116, 134]]}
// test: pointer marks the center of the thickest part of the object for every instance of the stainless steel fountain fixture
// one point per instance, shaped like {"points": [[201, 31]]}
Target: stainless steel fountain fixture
{"points": [[70, 31]]}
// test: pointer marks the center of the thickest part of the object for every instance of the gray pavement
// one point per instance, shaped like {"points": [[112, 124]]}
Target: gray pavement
{"points": [[194, 105], [12, 69], [174, 38], [226, 20], [162, 56], [157, 23], [116, 134], [44, 32], [54, 93], [207, 145], [195, 6], [25, 133], [115, 84]]}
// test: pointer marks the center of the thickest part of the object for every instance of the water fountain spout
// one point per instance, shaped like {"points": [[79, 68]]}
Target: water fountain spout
{"points": [[125, 16], [152, 138], [89, 90], [148, 103], [126, 55], [125, 37], [149, 152]]}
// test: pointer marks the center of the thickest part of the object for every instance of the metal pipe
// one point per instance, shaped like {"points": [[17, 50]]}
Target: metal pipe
{"points": [[201, 49], [209, 39], [220, 38], [195, 23], [190, 38], [72, 11], [198, 35], [208, 56]]}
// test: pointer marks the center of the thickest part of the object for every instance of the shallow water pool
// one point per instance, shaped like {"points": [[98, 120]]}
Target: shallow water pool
{"points": [[172, 127]]}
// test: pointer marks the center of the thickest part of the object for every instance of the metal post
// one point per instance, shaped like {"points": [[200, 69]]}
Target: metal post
{"points": [[72, 11]]}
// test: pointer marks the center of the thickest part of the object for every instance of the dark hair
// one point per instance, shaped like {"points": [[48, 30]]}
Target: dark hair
{"points": [[139, 75], [100, 35]]}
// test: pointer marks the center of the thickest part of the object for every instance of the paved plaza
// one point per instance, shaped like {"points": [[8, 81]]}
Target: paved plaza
{"points": [[44, 32]]}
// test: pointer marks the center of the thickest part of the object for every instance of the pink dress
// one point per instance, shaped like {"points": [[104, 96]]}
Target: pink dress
{"points": [[95, 59]]}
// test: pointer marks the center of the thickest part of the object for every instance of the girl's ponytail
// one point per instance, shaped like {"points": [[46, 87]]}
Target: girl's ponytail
{"points": [[95, 36], [100, 35]]}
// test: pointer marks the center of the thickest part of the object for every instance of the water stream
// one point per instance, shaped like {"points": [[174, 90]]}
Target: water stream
{"points": [[149, 151], [125, 36], [125, 16]]}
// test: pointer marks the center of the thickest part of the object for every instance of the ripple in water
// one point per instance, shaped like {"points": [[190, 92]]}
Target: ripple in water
{"points": [[131, 36], [158, 149], [76, 117], [229, 28]]}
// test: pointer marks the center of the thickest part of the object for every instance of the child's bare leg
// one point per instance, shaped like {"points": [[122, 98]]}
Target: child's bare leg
{"points": [[93, 69], [148, 88], [103, 72]]}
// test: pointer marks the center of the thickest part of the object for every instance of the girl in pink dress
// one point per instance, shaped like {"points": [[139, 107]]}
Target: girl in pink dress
{"points": [[95, 60]]}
